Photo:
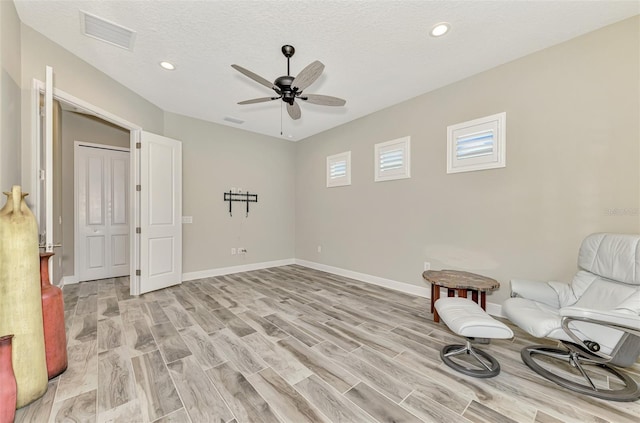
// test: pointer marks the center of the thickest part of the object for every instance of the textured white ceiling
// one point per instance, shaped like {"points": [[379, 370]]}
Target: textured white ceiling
{"points": [[376, 53]]}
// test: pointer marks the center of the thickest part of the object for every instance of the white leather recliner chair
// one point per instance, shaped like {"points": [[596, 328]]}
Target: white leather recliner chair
{"points": [[596, 317]]}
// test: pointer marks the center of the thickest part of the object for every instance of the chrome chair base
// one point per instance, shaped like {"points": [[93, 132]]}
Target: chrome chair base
{"points": [[621, 387]]}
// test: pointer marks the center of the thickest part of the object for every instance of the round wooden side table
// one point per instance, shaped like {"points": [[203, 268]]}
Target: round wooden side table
{"points": [[460, 282]]}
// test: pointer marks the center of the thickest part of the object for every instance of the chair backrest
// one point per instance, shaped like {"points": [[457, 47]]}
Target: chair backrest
{"points": [[612, 256]]}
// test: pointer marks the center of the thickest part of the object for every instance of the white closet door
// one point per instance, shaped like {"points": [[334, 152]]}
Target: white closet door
{"points": [[102, 242]]}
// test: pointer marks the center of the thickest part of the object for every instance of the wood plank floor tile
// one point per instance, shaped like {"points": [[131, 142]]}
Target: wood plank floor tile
{"points": [[237, 352], [179, 416], [285, 400], [323, 332], [40, 409], [82, 372], [479, 413], [542, 417], [301, 335], [373, 376], [81, 409], [263, 326], [110, 334], [87, 305], [430, 410], [108, 307], [340, 379], [169, 342], [379, 406], [155, 389], [117, 385], [363, 338], [201, 400], [154, 313], [200, 345], [243, 400], [177, 315], [83, 328], [129, 413], [278, 358], [139, 338], [330, 402], [206, 320]]}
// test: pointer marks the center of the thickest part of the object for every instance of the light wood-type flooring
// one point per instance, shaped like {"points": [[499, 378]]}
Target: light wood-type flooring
{"points": [[287, 344]]}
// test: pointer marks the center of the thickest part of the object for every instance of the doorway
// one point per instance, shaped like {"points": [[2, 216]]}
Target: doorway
{"points": [[102, 221]]}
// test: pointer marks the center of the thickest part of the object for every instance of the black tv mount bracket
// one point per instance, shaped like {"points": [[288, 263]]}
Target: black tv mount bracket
{"points": [[244, 197]]}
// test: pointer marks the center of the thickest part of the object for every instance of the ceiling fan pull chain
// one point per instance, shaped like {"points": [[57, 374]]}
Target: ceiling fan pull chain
{"points": [[281, 106]]}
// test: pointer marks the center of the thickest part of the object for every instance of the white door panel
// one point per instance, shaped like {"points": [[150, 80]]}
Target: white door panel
{"points": [[102, 212], [161, 212]]}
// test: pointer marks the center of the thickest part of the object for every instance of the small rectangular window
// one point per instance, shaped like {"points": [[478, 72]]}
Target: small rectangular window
{"points": [[339, 170], [392, 159], [478, 144]]}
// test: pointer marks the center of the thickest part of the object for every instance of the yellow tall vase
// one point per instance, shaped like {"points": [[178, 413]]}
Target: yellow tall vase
{"points": [[20, 300]]}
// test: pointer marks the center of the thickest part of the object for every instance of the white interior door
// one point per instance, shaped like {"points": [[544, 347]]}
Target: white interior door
{"points": [[160, 212], [102, 207]]}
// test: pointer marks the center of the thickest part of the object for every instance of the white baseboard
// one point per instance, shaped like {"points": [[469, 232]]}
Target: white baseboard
{"points": [[407, 288], [189, 276], [68, 280]]}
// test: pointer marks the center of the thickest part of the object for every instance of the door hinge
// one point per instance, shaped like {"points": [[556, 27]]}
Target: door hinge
{"points": [[138, 145], [138, 230], [138, 187], [138, 272]]}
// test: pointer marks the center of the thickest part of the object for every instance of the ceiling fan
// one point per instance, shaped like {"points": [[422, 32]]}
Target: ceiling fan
{"points": [[289, 88]]}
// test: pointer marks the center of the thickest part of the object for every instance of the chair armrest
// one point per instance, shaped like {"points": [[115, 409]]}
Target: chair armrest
{"points": [[623, 321], [536, 291]]}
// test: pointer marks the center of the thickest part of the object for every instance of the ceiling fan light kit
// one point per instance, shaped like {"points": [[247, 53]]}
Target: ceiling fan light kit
{"points": [[289, 88]]}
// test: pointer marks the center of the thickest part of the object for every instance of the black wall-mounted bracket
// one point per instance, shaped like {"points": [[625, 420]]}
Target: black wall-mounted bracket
{"points": [[240, 196]]}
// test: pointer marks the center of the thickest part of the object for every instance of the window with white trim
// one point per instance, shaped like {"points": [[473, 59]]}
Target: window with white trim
{"points": [[477, 144], [393, 159], [339, 170]]}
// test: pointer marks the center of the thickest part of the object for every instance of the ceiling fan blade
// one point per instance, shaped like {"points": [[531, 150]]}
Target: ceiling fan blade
{"points": [[258, 100], [255, 77], [294, 111], [323, 100], [308, 76]]}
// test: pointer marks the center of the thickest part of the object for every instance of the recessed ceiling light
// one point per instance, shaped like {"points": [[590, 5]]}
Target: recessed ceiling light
{"points": [[167, 65], [440, 29]]}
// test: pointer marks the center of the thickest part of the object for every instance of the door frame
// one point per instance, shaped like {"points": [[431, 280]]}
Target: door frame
{"points": [[76, 227], [37, 88]]}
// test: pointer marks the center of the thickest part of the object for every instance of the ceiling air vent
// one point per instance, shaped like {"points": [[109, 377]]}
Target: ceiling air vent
{"points": [[109, 32], [234, 120]]}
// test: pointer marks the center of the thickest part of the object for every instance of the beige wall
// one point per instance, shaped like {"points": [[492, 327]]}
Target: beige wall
{"points": [[573, 149], [76, 77], [10, 69], [79, 127], [216, 158]]}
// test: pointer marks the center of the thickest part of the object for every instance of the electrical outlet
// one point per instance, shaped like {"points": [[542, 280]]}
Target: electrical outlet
{"points": [[242, 250], [427, 265], [319, 248], [187, 219], [233, 251]]}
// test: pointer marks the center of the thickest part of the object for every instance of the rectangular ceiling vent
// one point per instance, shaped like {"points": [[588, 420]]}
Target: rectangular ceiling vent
{"points": [[234, 120], [109, 32]]}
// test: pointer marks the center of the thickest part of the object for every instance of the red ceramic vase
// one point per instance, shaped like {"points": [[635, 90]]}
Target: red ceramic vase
{"points": [[8, 388], [55, 337]]}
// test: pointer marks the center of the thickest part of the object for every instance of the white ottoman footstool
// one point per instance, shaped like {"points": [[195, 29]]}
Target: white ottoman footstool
{"points": [[466, 318]]}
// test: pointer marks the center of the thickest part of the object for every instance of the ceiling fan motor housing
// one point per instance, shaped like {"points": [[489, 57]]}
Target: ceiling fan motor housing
{"points": [[284, 85]]}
